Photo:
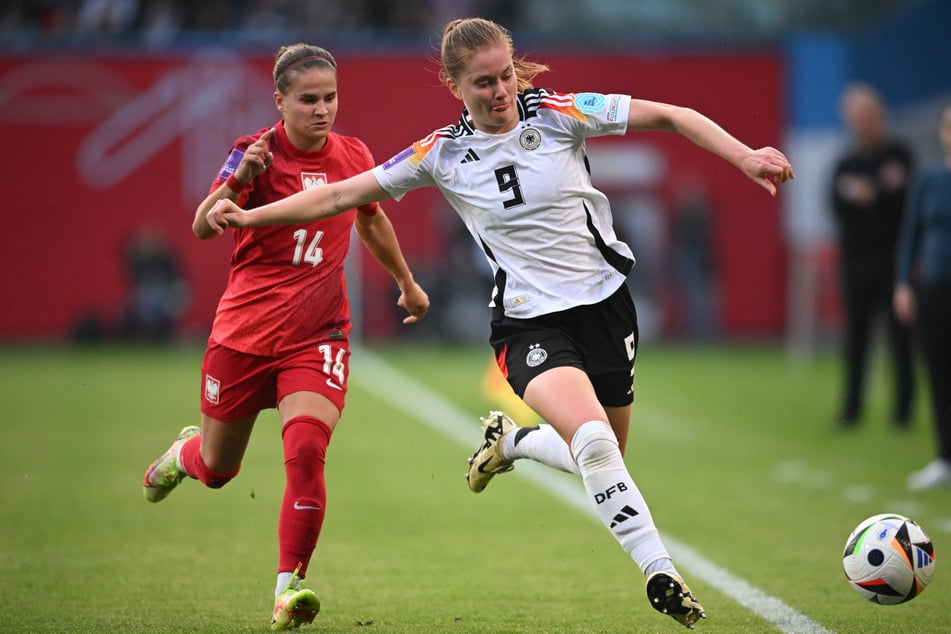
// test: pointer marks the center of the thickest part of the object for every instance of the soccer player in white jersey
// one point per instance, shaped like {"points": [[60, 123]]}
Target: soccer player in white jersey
{"points": [[564, 329]]}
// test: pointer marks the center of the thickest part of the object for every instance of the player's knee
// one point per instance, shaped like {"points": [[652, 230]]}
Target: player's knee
{"points": [[305, 441], [307, 450], [594, 445]]}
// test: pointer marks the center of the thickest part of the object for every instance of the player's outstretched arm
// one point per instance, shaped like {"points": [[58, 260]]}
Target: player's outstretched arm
{"points": [[766, 166], [378, 235], [310, 204]]}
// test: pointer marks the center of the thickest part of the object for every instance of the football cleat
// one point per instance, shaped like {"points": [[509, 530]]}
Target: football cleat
{"points": [[164, 475], [487, 459], [294, 606], [669, 595]]}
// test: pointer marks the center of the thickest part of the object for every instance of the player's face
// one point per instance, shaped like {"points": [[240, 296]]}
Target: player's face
{"points": [[309, 107], [488, 86]]}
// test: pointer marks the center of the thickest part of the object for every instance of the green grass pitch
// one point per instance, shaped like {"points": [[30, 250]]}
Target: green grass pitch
{"points": [[733, 447]]}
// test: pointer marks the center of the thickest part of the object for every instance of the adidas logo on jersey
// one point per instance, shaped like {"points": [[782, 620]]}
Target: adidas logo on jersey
{"points": [[470, 156]]}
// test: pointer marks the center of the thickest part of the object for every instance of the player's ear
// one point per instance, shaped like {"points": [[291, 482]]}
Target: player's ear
{"points": [[279, 101], [454, 89]]}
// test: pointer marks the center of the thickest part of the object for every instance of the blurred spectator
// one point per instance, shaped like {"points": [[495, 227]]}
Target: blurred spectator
{"points": [[641, 222], [106, 16], [153, 22], [158, 292], [462, 279], [210, 15], [406, 15], [161, 21], [868, 199], [925, 297], [44, 16], [694, 264], [503, 11]]}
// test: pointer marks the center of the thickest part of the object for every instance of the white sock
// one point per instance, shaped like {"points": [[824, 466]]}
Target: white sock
{"points": [[616, 499], [657, 565], [178, 461], [541, 444], [283, 578]]}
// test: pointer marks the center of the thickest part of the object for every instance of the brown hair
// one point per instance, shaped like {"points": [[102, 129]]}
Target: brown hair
{"points": [[465, 36], [297, 57]]}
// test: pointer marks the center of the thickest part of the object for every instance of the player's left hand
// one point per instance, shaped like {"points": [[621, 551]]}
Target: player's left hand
{"points": [[414, 300], [767, 166]]}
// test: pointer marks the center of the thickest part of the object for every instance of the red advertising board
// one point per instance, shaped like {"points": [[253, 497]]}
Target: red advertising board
{"points": [[99, 147]]}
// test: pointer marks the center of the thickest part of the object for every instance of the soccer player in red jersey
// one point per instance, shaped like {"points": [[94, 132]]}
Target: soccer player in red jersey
{"points": [[564, 326], [281, 331]]}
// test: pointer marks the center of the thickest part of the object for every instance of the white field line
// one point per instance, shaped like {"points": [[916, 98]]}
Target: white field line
{"points": [[403, 393]]}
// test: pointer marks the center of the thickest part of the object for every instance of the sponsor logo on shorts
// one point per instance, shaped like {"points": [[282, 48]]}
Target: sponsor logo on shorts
{"points": [[536, 355], [212, 389]]}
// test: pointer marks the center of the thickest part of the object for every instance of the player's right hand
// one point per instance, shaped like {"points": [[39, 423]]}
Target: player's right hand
{"points": [[414, 300], [904, 304], [256, 159]]}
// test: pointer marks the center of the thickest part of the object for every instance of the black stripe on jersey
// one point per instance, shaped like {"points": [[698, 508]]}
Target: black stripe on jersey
{"points": [[445, 132], [621, 263], [465, 125], [500, 277], [529, 101]]}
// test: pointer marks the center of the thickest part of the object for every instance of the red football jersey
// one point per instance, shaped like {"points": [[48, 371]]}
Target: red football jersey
{"points": [[286, 284]]}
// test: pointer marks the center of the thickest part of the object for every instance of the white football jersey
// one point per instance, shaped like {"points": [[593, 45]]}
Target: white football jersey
{"points": [[527, 199]]}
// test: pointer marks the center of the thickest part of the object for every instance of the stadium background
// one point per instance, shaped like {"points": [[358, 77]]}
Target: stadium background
{"points": [[116, 126]]}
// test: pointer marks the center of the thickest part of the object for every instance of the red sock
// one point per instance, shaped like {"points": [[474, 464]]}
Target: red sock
{"points": [[195, 467], [305, 495]]}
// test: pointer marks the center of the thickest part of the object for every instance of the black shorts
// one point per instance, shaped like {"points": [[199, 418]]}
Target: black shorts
{"points": [[600, 339]]}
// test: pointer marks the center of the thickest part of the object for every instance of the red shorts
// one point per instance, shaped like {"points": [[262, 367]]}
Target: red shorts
{"points": [[236, 385]]}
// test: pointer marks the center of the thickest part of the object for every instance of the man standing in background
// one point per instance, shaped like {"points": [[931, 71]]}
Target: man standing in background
{"points": [[868, 199]]}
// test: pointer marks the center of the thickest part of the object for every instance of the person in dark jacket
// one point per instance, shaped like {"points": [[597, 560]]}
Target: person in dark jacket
{"points": [[923, 295], [869, 186]]}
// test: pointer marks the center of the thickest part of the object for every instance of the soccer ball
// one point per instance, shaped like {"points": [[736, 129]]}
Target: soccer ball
{"points": [[888, 559]]}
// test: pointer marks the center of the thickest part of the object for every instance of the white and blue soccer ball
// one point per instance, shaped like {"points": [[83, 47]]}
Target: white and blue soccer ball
{"points": [[888, 559]]}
